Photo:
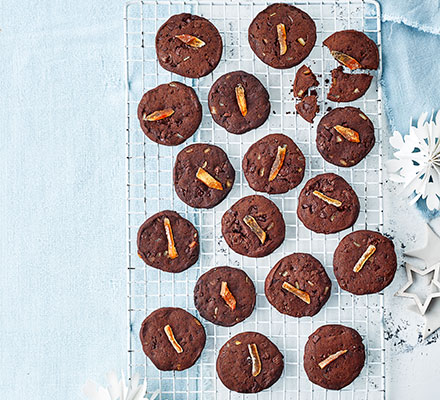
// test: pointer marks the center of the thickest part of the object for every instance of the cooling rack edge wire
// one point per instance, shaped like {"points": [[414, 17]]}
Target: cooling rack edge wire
{"points": [[149, 189]]}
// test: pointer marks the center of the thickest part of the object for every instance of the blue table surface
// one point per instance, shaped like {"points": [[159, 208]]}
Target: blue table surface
{"points": [[62, 196]]}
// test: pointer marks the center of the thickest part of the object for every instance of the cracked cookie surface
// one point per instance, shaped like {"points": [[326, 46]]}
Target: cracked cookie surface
{"points": [[320, 216], [181, 58], [239, 236]]}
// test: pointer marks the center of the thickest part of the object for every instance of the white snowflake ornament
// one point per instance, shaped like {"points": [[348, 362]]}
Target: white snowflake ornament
{"points": [[417, 161], [118, 389]]}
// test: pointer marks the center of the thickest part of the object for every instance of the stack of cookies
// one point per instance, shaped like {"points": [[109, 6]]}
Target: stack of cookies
{"points": [[282, 36]]}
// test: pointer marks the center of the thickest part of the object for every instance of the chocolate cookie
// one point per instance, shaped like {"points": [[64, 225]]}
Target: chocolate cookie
{"points": [[249, 363], [168, 242], [203, 175], [362, 52], [308, 108], [188, 45], [282, 35], [225, 296], [328, 204], [364, 262], [170, 113], [345, 136], [348, 87], [172, 338], [304, 80], [334, 356], [298, 285], [274, 164], [238, 102], [253, 226]]}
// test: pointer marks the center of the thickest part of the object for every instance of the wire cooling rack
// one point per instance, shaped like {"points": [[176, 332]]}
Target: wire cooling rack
{"points": [[150, 189]]}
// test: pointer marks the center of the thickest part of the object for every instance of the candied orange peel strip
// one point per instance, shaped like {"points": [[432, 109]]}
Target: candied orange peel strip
{"points": [[256, 362], [301, 294], [159, 114], [364, 257], [331, 358], [278, 163], [191, 40], [241, 99], [346, 60], [347, 133], [172, 252], [172, 339], [208, 180], [255, 228], [227, 296], [327, 199], [281, 31]]}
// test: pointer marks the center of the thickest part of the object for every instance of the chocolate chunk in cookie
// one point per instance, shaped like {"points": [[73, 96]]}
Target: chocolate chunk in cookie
{"points": [[304, 80], [168, 242], [364, 262], [170, 113], [298, 285], [274, 164], [203, 175], [353, 49], [348, 87], [225, 296], [188, 45], [308, 107], [282, 35], [172, 338], [328, 204], [253, 226], [238, 102], [249, 363], [345, 136], [334, 356]]}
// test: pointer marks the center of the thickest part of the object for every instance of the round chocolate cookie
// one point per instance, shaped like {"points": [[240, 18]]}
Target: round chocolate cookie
{"points": [[239, 370], [357, 45], [328, 204], [224, 97], [170, 113], [270, 154], [282, 35], [188, 45], [346, 347], [152, 242], [306, 287], [268, 227], [203, 175], [348, 87], [358, 276], [339, 147], [213, 291], [161, 327]]}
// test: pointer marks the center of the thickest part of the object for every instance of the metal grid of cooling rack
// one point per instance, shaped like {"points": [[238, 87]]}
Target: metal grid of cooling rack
{"points": [[149, 190]]}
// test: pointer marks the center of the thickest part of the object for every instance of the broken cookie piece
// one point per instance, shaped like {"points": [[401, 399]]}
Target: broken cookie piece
{"points": [[304, 80], [353, 49], [308, 108], [348, 87]]}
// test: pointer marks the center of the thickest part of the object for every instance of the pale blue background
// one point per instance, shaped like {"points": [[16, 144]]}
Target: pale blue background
{"points": [[62, 196], [62, 193]]}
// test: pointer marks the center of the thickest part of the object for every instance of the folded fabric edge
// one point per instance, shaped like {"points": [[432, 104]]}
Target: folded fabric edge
{"points": [[407, 22]]}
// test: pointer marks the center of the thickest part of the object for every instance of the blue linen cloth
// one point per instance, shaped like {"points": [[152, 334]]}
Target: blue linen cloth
{"points": [[411, 67]]}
